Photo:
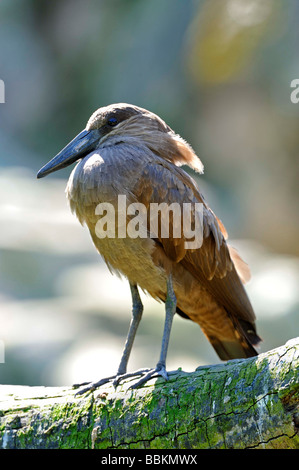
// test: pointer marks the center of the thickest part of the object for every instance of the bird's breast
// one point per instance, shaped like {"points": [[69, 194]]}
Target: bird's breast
{"points": [[105, 173], [99, 193]]}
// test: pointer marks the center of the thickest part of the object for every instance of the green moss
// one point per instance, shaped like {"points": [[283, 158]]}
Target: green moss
{"points": [[237, 404]]}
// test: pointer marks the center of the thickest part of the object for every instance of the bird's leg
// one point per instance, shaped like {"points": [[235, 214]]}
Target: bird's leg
{"points": [[170, 308], [137, 311], [160, 369]]}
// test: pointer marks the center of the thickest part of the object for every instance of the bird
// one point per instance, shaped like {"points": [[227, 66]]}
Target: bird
{"points": [[126, 150]]}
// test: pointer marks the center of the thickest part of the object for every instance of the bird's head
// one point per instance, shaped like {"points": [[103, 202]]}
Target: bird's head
{"points": [[122, 122]]}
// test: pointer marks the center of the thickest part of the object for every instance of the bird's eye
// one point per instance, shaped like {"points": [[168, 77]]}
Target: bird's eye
{"points": [[112, 121]]}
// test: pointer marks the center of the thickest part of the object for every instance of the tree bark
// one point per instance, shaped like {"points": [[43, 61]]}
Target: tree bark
{"points": [[251, 403]]}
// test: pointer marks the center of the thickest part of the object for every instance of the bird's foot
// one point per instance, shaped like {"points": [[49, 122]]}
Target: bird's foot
{"points": [[146, 374], [114, 379], [91, 386]]}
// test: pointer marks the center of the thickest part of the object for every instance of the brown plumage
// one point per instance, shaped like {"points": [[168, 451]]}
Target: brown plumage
{"points": [[126, 150]]}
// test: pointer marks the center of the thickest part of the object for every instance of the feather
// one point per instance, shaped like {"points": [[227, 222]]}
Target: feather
{"points": [[141, 158]]}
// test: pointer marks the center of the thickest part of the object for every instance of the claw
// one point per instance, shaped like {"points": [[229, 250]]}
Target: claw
{"points": [[91, 386], [127, 375], [116, 379], [157, 371]]}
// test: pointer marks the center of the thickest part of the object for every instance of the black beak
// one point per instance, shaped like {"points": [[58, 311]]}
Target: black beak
{"points": [[79, 147]]}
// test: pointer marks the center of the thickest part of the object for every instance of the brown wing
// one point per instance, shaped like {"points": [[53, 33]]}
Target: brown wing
{"points": [[211, 264]]}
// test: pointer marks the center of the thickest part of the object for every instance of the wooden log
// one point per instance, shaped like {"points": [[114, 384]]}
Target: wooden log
{"points": [[250, 403]]}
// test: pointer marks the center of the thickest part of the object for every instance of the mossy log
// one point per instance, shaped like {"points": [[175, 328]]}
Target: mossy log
{"points": [[251, 403]]}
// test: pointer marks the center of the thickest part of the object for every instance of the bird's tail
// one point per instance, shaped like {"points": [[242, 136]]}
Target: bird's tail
{"points": [[241, 346]]}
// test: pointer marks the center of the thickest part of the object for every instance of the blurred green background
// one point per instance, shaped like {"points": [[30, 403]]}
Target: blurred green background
{"points": [[219, 73]]}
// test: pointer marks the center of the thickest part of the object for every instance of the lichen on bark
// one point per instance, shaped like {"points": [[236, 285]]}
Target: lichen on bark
{"points": [[252, 403]]}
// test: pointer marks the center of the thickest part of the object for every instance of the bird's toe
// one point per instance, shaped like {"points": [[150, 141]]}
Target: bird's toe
{"points": [[151, 373], [91, 386]]}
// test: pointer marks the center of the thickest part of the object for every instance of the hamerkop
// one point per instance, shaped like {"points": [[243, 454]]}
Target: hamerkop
{"points": [[128, 151]]}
